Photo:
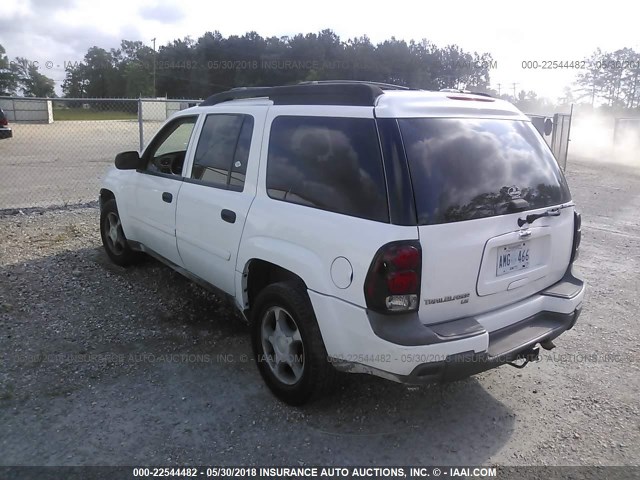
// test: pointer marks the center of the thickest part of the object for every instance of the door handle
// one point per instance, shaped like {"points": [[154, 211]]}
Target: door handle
{"points": [[167, 197], [228, 216]]}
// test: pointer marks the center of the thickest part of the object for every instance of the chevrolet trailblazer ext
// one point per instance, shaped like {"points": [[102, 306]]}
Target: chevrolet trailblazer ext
{"points": [[418, 236]]}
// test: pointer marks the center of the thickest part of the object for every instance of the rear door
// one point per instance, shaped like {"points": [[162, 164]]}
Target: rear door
{"points": [[216, 195], [473, 179]]}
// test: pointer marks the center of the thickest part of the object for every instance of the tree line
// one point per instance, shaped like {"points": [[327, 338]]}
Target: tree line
{"points": [[188, 68], [612, 78]]}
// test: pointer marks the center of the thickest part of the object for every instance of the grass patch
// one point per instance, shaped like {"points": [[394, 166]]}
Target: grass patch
{"points": [[62, 114]]}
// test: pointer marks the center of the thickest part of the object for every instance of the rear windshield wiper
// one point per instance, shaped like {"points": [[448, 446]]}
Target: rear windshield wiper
{"points": [[553, 212]]}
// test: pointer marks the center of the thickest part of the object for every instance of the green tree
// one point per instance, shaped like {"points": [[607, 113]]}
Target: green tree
{"points": [[591, 81], [134, 62], [74, 84], [31, 81], [613, 77], [8, 76], [101, 74], [630, 77]]}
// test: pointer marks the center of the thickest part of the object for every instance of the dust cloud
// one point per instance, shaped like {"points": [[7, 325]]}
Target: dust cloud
{"points": [[595, 137]]}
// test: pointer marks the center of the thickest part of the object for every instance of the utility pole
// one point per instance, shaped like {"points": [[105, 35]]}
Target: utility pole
{"points": [[499, 88], [514, 90], [154, 67]]}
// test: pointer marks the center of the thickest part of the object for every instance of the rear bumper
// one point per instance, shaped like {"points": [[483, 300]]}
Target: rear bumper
{"points": [[505, 346], [405, 350], [5, 133]]}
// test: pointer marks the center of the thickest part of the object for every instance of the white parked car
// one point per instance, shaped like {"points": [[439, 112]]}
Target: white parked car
{"points": [[414, 235]]}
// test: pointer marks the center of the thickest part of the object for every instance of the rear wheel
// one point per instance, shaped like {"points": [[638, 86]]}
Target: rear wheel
{"points": [[288, 346], [113, 239]]}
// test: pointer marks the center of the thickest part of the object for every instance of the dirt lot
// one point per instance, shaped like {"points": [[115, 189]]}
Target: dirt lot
{"points": [[102, 365]]}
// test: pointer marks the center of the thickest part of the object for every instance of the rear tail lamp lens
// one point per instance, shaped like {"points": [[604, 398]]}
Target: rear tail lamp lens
{"points": [[393, 280]]}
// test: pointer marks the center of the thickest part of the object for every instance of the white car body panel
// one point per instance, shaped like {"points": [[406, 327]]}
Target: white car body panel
{"points": [[422, 104], [459, 258]]}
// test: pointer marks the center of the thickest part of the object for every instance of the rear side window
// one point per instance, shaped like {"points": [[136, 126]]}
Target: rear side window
{"points": [[328, 163], [462, 169], [223, 151]]}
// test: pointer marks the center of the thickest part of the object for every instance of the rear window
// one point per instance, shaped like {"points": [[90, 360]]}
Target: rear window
{"points": [[462, 169], [328, 163]]}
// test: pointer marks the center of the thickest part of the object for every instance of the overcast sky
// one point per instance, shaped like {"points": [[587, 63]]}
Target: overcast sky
{"points": [[59, 31]]}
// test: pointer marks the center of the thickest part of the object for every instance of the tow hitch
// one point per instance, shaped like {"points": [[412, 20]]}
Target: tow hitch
{"points": [[531, 355]]}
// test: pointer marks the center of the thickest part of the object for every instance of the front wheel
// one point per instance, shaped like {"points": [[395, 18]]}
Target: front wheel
{"points": [[288, 346], [113, 239]]}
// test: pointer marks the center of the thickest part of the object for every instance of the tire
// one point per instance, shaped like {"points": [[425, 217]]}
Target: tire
{"points": [[304, 373], [113, 239]]}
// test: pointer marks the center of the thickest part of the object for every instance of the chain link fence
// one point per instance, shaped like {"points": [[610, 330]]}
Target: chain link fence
{"points": [[60, 148]]}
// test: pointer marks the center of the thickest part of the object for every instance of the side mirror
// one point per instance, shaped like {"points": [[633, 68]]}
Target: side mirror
{"points": [[548, 126], [127, 160]]}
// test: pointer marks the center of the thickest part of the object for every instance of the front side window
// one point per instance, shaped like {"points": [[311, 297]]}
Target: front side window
{"points": [[329, 163], [223, 151], [167, 152], [463, 168]]}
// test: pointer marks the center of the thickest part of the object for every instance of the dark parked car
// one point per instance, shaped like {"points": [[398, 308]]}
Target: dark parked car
{"points": [[5, 130]]}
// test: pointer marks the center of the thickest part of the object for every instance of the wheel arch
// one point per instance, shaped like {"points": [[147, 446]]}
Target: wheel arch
{"points": [[258, 274], [105, 196]]}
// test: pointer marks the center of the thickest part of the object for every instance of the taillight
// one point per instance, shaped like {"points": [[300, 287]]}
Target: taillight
{"points": [[4, 122], [577, 235], [393, 280]]}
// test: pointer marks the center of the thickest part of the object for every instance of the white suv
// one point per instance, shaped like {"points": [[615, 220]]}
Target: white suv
{"points": [[414, 235]]}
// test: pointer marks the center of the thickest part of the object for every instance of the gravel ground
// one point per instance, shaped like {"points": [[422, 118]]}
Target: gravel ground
{"points": [[108, 366]]}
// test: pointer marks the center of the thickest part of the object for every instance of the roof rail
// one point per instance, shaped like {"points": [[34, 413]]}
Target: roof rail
{"points": [[381, 85], [330, 93]]}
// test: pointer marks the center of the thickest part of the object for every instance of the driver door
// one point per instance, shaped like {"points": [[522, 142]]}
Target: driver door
{"points": [[157, 187]]}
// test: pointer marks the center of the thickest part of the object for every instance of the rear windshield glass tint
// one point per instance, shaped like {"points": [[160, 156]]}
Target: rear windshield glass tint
{"points": [[462, 169]]}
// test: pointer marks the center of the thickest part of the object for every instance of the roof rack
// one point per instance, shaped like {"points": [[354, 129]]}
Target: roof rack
{"points": [[333, 92]]}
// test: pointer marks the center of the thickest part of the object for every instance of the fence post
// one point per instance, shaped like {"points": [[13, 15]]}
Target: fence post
{"points": [[566, 153], [140, 127], [554, 136]]}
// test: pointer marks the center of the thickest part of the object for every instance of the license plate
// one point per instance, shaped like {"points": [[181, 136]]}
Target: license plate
{"points": [[512, 258]]}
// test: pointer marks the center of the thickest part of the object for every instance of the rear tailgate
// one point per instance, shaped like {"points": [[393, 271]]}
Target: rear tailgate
{"points": [[473, 179], [464, 271]]}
